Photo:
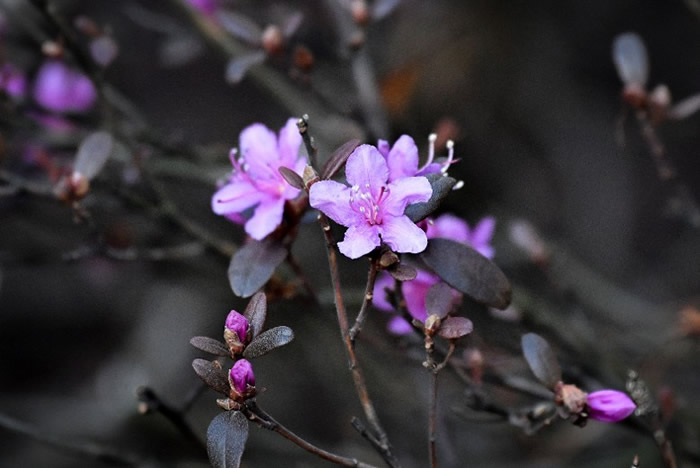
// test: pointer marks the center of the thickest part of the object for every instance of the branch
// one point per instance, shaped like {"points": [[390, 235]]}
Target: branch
{"points": [[366, 301]]}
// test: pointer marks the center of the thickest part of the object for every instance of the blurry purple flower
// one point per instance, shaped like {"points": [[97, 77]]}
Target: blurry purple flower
{"points": [[256, 179], [399, 326], [451, 227], [59, 88], [242, 378], [13, 81], [402, 158], [207, 7], [371, 208], [239, 324], [609, 405]]}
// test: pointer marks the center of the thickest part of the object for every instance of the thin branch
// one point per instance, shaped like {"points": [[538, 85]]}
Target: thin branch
{"points": [[384, 446], [309, 143], [106, 454], [366, 301], [432, 419], [266, 421]]}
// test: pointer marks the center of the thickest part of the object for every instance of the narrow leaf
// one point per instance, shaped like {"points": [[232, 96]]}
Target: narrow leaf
{"points": [[455, 327], [338, 158], [267, 341], [240, 26], [403, 272], [256, 312], [441, 187], [292, 177], [93, 153], [210, 345], [541, 359], [468, 271], [629, 55], [291, 24], [239, 66], [439, 300], [685, 108], [212, 374], [253, 264], [383, 8], [226, 438]]}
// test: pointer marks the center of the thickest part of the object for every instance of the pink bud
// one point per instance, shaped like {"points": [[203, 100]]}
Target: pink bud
{"points": [[609, 405], [238, 324], [242, 379]]}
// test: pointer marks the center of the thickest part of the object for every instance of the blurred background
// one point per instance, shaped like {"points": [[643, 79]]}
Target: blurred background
{"points": [[100, 298]]}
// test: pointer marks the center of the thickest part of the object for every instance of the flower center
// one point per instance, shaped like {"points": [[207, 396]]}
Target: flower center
{"points": [[363, 202]]}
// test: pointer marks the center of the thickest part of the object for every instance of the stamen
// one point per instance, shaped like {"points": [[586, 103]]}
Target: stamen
{"points": [[431, 151], [450, 156], [458, 185], [232, 157]]}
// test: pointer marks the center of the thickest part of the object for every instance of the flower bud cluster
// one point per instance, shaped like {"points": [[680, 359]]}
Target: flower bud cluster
{"points": [[237, 335]]}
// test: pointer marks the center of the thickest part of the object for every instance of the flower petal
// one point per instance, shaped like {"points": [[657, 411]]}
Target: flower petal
{"points": [[383, 147], [367, 169], [384, 281], [399, 326], [609, 405], [415, 291], [449, 227], [258, 146], [359, 240], [333, 199], [235, 197], [268, 215], [289, 143], [483, 231], [404, 192], [403, 158], [402, 235]]}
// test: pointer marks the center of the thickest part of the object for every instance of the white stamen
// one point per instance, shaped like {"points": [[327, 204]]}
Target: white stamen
{"points": [[355, 188], [458, 185], [246, 166], [431, 151], [366, 185], [450, 155]]}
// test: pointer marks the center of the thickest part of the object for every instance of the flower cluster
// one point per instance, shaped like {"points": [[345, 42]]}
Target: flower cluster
{"points": [[61, 89], [414, 291], [256, 180], [237, 337], [372, 207]]}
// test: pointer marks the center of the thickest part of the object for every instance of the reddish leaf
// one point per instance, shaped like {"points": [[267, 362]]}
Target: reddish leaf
{"points": [[442, 185], [439, 300], [338, 158], [292, 177], [403, 272], [210, 345], [226, 438], [256, 312], [267, 341], [455, 327], [212, 374], [541, 359], [253, 264]]}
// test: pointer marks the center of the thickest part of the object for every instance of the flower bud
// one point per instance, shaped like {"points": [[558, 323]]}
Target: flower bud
{"points": [[242, 380], [236, 332], [609, 405], [272, 39]]}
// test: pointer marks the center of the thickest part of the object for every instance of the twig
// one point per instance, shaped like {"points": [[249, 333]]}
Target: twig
{"points": [[266, 421], [309, 144], [432, 419], [384, 446], [366, 301], [151, 402], [110, 455]]}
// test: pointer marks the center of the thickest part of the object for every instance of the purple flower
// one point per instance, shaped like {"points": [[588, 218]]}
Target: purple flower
{"points": [[371, 208], [242, 379], [609, 405], [12, 81], [402, 158], [207, 7], [59, 88], [238, 324], [451, 227], [256, 179]]}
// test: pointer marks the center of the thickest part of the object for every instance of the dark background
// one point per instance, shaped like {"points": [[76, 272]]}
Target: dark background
{"points": [[532, 90]]}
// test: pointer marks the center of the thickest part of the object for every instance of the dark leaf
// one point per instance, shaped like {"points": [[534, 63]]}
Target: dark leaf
{"points": [[292, 177], [239, 66], [685, 108], [267, 341], [93, 153], [210, 345], [403, 272], [291, 24], [439, 300], [468, 271], [240, 26], [338, 158], [212, 374], [629, 55], [441, 187], [253, 264], [177, 50], [541, 359], [455, 327], [226, 438], [256, 312]]}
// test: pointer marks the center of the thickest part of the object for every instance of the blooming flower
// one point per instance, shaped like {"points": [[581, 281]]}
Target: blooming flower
{"points": [[609, 405], [402, 158], [242, 379], [59, 88], [372, 208], [414, 291], [256, 179]]}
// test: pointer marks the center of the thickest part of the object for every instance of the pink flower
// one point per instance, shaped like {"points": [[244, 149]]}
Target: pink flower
{"points": [[207, 7], [402, 158], [451, 227], [256, 179], [372, 208], [242, 379], [59, 88], [238, 324], [609, 405]]}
